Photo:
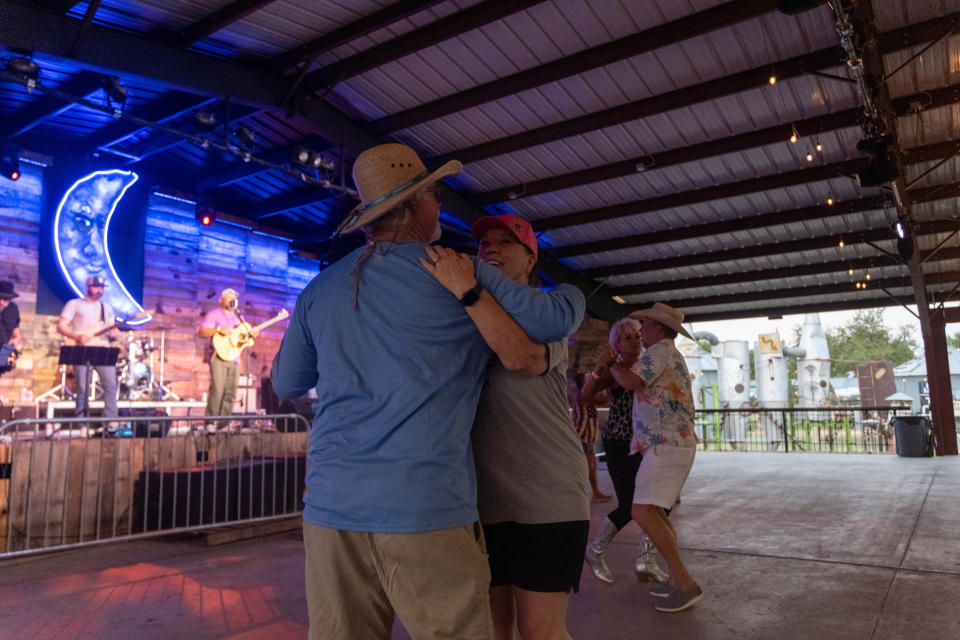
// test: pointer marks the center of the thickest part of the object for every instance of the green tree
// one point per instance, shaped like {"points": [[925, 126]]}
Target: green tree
{"points": [[864, 338], [954, 340]]}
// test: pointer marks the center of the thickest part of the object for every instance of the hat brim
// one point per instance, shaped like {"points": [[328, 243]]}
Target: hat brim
{"points": [[664, 320], [360, 217], [9, 296]]}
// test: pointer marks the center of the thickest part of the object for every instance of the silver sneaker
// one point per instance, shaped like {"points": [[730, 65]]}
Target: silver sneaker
{"points": [[647, 567], [595, 550]]}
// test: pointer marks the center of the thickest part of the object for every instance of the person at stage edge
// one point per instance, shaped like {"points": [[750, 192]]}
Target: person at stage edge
{"points": [[390, 518], [80, 320], [663, 431], [223, 373], [9, 318]]}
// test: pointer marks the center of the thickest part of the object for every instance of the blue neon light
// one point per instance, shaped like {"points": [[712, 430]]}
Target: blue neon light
{"points": [[121, 301]]}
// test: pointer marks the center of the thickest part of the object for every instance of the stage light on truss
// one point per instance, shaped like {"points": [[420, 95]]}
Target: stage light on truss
{"points": [[901, 233], [245, 137], [25, 69], [204, 120], [304, 157], [10, 162], [115, 90]]}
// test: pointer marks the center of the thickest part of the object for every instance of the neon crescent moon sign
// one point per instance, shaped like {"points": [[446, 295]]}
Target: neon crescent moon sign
{"points": [[80, 232]]}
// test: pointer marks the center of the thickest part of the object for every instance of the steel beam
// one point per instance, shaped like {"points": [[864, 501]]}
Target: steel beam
{"points": [[220, 19], [787, 310], [880, 234], [743, 223], [807, 292], [238, 172], [443, 29], [45, 108], [759, 275], [663, 35], [365, 25], [728, 190]]}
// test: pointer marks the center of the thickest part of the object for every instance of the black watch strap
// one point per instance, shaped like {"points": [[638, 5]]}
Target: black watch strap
{"points": [[471, 296]]}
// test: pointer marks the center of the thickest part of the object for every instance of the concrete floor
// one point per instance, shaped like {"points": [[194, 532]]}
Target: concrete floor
{"points": [[784, 546]]}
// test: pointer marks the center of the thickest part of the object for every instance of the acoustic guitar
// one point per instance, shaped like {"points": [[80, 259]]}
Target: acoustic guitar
{"points": [[230, 346], [100, 329]]}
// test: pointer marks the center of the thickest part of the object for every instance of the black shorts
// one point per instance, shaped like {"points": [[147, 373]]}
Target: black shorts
{"points": [[537, 557]]}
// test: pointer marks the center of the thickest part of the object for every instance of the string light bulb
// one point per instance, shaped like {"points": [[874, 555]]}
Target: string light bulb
{"points": [[858, 285], [830, 200], [819, 146], [810, 157], [850, 272], [841, 244], [867, 276], [773, 79], [793, 138]]}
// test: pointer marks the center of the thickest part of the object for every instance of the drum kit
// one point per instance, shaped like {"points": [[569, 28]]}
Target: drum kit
{"points": [[134, 373]]}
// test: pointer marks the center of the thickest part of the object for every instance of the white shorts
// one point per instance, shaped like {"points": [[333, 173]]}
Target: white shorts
{"points": [[663, 471]]}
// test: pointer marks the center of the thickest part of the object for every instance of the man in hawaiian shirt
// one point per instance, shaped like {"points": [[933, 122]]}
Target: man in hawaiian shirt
{"points": [[663, 432]]}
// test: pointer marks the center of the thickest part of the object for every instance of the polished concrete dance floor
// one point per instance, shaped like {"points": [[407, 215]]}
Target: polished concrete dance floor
{"points": [[784, 545]]}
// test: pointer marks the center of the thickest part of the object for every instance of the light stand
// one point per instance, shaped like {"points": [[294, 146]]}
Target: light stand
{"points": [[161, 391]]}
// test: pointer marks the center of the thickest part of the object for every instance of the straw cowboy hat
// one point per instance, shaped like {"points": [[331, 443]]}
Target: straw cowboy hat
{"points": [[665, 315], [385, 176]]}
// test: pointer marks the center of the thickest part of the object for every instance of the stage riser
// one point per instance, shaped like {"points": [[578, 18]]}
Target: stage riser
{"points": [[68, 491]]}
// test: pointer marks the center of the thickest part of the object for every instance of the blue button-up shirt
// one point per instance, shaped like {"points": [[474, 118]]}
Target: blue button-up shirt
{"points": [[398, 379]]}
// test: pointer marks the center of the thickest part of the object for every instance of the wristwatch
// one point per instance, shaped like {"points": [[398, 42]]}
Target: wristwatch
{"points": [[471, 296]]}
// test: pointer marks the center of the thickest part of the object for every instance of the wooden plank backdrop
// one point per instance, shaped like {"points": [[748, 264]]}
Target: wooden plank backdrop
{"points": [[186, 266]]}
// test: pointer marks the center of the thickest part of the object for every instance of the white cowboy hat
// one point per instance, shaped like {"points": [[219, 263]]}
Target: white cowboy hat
{"points": [[385, 176], [665, 315]]}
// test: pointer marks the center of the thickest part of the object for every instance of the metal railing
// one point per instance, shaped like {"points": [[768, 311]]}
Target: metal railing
{"points": [[72, 482], [822, 430]]}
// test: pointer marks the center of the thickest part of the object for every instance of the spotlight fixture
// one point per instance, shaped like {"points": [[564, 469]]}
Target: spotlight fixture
{"points": [[245, 137], [10, 162], [306, 158], [882, 168], [205, 214], [204, 120], [25, 69], [901, 233], [115, 90]]}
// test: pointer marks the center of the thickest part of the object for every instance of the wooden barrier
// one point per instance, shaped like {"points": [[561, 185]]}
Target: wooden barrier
{"points": [[70, 491]]}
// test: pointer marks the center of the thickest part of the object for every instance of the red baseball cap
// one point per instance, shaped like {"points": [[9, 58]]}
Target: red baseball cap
{"points": [[518, 226]]}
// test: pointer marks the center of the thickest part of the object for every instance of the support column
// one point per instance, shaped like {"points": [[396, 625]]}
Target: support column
{"points": [[933, 330]]}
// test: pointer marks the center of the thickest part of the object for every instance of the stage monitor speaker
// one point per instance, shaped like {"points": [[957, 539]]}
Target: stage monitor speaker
{"points": [[791, 7]]}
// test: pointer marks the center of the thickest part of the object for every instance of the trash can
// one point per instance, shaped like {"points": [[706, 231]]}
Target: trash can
{"points": [[914, 436]]}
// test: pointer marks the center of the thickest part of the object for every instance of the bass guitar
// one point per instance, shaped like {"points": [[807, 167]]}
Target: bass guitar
{"points": [[230, 346], [100, 329]]}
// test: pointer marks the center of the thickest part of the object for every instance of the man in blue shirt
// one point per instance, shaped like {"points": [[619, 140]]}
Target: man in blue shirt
{"points": [[390, 509]]}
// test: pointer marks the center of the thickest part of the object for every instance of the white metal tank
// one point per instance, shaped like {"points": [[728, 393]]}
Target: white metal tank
{"points": [[691, 354], [813, 371], [770, 366], [733, 380]]}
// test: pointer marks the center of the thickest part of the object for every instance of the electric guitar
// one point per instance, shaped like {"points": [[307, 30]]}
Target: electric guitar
{"points": [[230, 346], [8, 358], [100, 329]]}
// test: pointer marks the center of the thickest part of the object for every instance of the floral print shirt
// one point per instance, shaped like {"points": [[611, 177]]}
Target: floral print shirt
{"points": [[663, 408]]}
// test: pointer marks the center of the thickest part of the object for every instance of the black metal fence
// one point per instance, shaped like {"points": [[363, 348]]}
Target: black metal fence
{"points": [[824, 430]]}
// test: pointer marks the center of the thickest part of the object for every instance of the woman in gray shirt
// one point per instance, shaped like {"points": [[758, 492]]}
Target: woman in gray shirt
{"points": [[532, 490]]}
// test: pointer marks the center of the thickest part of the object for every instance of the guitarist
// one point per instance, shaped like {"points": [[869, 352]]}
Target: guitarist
{"points": [[9, 324], [78, 318], [223, 373]]}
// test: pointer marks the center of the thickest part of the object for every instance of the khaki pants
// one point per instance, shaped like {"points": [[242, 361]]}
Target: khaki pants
{"points": [[223, 386], [437, 582]]}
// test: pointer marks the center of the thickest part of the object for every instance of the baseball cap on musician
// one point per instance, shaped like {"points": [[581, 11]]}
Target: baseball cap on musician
{"points": [[95, 281]]}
